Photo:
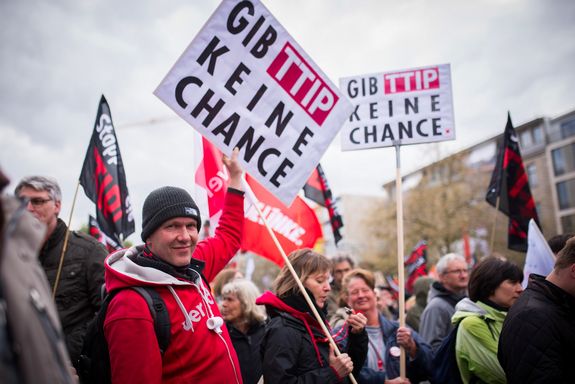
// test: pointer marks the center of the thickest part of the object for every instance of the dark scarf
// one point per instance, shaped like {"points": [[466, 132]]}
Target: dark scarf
{"points": [[298, 302], [495, 306], [147, 259], [451, 297]]}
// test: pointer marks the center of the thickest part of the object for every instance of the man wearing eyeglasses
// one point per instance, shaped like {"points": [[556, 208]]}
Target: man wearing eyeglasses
{"points": [[453, 275], [82, 275], [341, 264]]}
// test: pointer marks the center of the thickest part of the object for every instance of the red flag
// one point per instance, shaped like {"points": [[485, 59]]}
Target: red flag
{"points": [[94, 230], [509, 183], [213, 177], [313, 188], [317, 189], [415, 265], [469, 257], [104, 180], [295, 227]]}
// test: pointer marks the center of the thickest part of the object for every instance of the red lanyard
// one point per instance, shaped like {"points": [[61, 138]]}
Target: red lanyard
{"points": [[379, 358]]}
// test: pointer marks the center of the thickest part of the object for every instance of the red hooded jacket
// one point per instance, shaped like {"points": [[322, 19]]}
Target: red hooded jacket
{"points": [[195, 354]]}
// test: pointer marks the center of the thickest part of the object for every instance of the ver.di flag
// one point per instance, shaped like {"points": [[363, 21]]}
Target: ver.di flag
{"points": [[509, 184], [317, 189], [104, 180], [295, 227]]}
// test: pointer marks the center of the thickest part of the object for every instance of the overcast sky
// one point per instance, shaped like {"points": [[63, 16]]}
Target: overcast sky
{"points": [[58, 57]]}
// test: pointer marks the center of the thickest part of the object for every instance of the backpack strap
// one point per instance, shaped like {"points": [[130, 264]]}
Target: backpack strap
{"points": [[159, 313]]}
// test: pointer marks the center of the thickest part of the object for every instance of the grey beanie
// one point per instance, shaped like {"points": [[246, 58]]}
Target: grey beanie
{"points": [[166, 203]]}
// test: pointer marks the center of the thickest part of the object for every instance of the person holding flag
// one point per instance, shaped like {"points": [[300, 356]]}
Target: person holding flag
{"points": [[294, 347], [78, 289], [178, 266]]}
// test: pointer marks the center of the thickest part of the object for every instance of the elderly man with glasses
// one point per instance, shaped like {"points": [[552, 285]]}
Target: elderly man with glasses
{"points": [[453, 275], [78, 294]]}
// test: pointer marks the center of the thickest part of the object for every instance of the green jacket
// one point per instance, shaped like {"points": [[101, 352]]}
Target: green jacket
{"points": [[477, 340]]}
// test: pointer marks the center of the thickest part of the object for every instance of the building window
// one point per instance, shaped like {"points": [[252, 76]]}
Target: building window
{"points": [[568, 129], [563, 159], [532, 175], [538, 135], [525, 139], [566, 194], [568, 223]]}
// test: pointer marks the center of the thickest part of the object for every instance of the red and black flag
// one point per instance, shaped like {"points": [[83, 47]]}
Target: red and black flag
{"points": [[104, 180], [392, 282], [317, 189], [509, 184], [94, 230], [415, 265]]}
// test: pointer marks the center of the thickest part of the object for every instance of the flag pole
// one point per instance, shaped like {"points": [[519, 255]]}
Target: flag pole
{"points": [[65, 245], [400, 251], [494, 223], [254, 201]]}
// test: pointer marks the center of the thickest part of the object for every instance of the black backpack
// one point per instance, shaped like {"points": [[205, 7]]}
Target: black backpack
{"points": [[94, 363], [444, 363]]}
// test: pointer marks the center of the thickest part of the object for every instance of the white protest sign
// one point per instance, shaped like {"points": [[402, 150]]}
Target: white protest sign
{"points": [[409, 106], [245, 82]]}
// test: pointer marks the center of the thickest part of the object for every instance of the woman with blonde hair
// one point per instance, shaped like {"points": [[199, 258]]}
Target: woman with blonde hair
{"points": [[245, 321], [295, 347]]}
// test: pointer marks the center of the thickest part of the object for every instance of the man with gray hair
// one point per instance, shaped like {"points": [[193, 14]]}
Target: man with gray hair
{"points": [[78, 294], [453, 273], [342, 263]]}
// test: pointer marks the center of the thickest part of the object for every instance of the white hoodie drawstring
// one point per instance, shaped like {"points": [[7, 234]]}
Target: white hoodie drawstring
{"points": [[188, 323]]}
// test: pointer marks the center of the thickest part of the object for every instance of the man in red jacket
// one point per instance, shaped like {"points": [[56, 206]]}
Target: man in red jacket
{"points": [[200, 349]]}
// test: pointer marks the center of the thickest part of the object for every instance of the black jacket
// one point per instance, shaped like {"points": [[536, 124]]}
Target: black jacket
{"points": [[294, 348], [79, 291], [247, 346], [537, 342]]}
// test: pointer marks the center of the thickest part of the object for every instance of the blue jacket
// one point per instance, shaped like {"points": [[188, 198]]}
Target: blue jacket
{"points": [[418, 369]]}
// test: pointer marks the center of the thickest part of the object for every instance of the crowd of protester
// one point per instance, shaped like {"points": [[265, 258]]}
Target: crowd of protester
{"points": [[333, 322]]}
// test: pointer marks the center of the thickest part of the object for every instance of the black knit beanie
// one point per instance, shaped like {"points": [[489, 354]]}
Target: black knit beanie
{"points": [[166, 203]]}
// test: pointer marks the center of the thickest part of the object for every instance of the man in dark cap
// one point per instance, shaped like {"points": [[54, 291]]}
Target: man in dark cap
{"points": [[177, 266]]}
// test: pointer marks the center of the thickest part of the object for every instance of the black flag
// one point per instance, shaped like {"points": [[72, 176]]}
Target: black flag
{"points": [[104, 180], [509, 183], [317, 189], [111, 245]]}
